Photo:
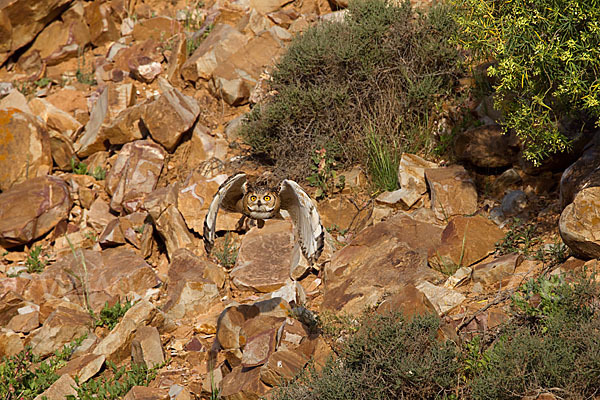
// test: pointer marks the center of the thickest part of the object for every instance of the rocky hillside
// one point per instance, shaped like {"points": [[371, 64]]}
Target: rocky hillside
{"points": [[118, 122]]}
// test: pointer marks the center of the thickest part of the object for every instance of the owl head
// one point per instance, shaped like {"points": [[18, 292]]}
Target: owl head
{"points": [[261, 202]]}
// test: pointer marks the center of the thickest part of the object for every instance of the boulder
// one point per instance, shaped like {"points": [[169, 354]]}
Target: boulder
{"points": [[99, 18], [170, 116], [465, 241], [22, 20], [221, 43], [442, 298], [264, 257], [61, 41], [486, 146], [579, 223], [61, 327], [382, 259], [134, 174], [83, 367], [453, 192], [60, 389], [146, 348], [243, 384], [48, 202], [24, 149], [584, 172], [496, 270], [411, 178], [10, 343]]}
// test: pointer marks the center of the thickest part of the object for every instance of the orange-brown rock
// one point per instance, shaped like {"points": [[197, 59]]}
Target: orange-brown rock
{"points": [[99, 18], [83, 367], [146, 393], [453, 191], [486, 146], [48, 202], [243, 384], [146, 348], [24, 148], [579, 223]]}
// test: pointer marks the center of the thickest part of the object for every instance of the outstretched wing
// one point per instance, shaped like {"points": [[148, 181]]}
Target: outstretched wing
{"points": [[227, 197], [307, 223]]}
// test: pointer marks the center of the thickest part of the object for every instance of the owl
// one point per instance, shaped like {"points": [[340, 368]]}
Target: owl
{"points": [[260, 202]]}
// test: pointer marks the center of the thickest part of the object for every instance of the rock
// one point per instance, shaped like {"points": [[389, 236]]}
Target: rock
{"points": [[514, 203], [170, 116], [60, 389], [24, 150], [116, 346], [506, 180], [61, 41], [134, 174], [411, 178], [486, 146], [465, 241], [15, 99], [68, 100], [10, 303], [162, 206], [99, 215], [234, 79], [496, 270], [579, 223], [157, 28], [584, 172], [21, 21], [282, 366], [339, 212], [442, 298], [452, 192], [144, 69], [254, 271], [204, 146], [61, 327], [10, 343], [259, 347], [113, 120], [111, 275], [146, 393], [102, 25], [267, 6], [55, 118], [129, 228], [193, 285], [383, 258], [24, 323], [48, 202], [243, 384], [146, 348], [83, 367], [410, 301], [221, 43]]}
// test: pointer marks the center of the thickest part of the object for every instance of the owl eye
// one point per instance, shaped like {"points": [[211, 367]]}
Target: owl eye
{"points": [[267, 198], [253, 198]]}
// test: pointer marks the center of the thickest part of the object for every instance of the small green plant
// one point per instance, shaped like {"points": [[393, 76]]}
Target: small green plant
{"points": [[324, 177], [554, 254], [110, 316], [83, 75], [115, 386], [227, 254], [192, 43], [24, 375], [33, 262], [81, 168], [383, 162], [43, 82], [521, 238]]}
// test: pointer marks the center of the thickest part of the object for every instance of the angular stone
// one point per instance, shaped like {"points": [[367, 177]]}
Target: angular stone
{"points": [[159, 28], [204, 146], [411, 178], [10, 343], [24, 148], [171, 226], [116, 346], [191, 289], [442, 298], [222, 42], [254, 271], [24, 323], [410, 301], [144, 69], [146, 393], [54, 117], [382, 259], [194, 198], [267, 6], [48, 202], [496, 270], [61, 327], [128, 228], [15, 99], [258, 348], [83, 367], [514, 203], [581, 174], [169, 116], [62, 150], [59, 390], [579, 224], [243, 384], [68, 99], [99, 215], [465, 241], [486, 146], [134, 174], [102, 25], [234, 79], [22, 20], [146, 348], [282, 366], [111, 274], [10, 303], [452, 192], [61, 41]]}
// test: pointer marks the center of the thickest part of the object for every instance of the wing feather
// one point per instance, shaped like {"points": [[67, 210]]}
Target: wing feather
{"points": [[227, 196], [306, 219]]}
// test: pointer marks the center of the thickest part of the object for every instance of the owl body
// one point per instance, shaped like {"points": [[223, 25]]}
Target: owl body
{"points": [[260, 203]]}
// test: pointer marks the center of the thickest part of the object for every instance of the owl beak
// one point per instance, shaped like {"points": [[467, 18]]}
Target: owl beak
{"points": [[259, 203]]}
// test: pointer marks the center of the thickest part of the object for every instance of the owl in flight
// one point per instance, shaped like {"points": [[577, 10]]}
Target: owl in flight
{"points": [[260, 202]]}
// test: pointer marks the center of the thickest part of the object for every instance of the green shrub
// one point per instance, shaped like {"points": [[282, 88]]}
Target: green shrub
{"points": [[110, 316], [378, 74], [547, 64]]}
